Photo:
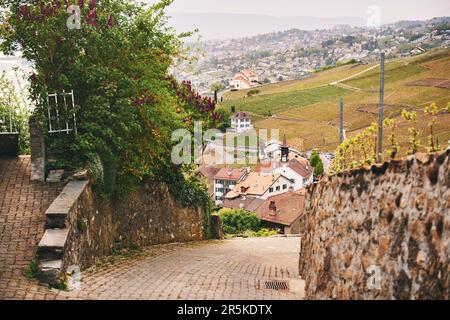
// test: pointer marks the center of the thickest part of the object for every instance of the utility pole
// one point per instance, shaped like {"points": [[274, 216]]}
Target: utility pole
{"points": [[380, 110], [341, 123]]}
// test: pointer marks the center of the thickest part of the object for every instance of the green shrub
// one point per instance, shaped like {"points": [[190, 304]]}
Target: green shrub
{"points": [[12, 105], [237, 221], [82, 225], [253, 92], [32, 270], [317, 163], [261, 233]]}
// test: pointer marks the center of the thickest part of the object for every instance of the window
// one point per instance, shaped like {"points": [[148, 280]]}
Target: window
{"points": [[278, 188], [284, 186], [270, 190]]}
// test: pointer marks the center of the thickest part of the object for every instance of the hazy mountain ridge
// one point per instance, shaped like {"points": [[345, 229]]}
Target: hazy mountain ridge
{"points": [[227, 26]]}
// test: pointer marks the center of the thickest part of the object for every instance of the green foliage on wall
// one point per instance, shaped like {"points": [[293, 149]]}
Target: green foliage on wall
{"points": [[127, 105]]}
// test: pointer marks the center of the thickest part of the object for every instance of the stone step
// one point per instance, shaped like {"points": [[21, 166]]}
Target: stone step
{"points": [[56, 214], [51, 246], [50, 271], [55, 176]]}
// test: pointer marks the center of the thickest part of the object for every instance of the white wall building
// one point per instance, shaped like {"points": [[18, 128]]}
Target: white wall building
{"points": [[245, 79], [261, 185], [241, 122]]}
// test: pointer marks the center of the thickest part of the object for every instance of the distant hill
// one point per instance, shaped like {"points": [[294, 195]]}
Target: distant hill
{"points": [[418, 23], [225, 25], [307, 110]]}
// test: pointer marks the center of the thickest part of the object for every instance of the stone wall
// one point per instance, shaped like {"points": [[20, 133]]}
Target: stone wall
{"points": [[83, 227], [149, 216], [37, 146], [379, 232]]}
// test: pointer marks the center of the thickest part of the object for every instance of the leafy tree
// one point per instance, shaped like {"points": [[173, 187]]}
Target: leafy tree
{"points": [[239, 220], [225, 120], [319, 170], [117, 64], [13, 113], [217, 86], [317, 163]]}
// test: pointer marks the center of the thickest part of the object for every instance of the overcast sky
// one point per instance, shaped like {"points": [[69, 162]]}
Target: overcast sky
{"points": [[392, 10]]}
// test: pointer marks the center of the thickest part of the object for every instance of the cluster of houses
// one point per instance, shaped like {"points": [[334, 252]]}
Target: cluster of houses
{"points": [[274, 190]]}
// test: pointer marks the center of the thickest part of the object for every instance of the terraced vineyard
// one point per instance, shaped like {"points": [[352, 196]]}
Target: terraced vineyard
{"points": [[308, 110]]}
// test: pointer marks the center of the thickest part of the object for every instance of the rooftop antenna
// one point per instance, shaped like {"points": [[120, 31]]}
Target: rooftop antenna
{"points": [[380, 110]]}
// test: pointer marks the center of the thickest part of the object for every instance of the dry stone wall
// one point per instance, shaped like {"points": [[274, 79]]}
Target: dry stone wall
{"points": [[379, 232], [82, 227]]}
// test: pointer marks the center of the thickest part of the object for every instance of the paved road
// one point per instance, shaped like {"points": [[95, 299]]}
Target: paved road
{"points": [[231, 269], [221, 270], [22, 219]]}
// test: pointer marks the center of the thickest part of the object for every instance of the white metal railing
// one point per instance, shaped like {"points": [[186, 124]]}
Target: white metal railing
{"points": [[63, 111]]}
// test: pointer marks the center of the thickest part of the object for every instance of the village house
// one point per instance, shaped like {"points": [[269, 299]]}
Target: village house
{"points": [[260, 185], [208, 174], [281, 159], [245, 79], [283, 212], [298, 170], [241, 122], [225, 180]]}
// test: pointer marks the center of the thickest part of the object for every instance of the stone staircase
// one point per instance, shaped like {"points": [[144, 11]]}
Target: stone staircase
{"points": [[22, 207], [52, 246]]}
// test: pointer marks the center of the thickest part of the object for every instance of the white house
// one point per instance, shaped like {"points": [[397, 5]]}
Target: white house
{"points": [[245, 79], [260, 185], [298, 170], [281, 160], [241, 122], [225, 180], [272, 150]]}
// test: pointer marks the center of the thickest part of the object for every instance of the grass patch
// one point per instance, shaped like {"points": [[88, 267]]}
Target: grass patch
{"points": [[278, 102], [32, 271]]}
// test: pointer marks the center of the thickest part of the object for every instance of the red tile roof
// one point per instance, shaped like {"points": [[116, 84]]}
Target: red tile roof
{"points": [[240, 115], [243, 79], [302, 167], [247, 203], [230, 174], [298, 164], [289, 207]]}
